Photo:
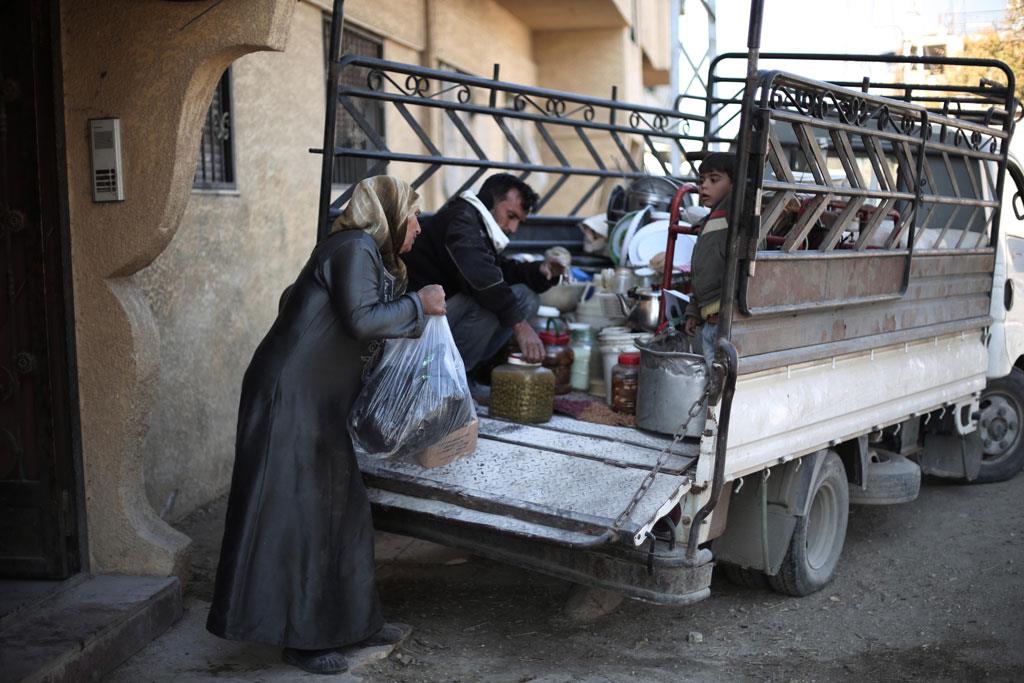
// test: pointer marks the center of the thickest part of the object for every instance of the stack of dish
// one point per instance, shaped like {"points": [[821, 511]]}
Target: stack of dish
{"points": [[633, 243]]}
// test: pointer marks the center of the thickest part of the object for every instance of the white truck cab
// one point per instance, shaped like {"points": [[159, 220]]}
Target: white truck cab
{"points": [[1001, 416]]}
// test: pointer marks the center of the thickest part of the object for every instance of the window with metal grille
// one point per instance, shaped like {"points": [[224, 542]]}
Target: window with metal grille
{"points": [[215, 169], [347, 132]]}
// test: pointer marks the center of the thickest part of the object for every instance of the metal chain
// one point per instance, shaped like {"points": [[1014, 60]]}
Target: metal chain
{"points": [[680, 432]]}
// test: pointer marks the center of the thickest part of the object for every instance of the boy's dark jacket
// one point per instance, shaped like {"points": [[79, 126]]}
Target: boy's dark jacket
{"points": [[707, 264], [454, 251]]}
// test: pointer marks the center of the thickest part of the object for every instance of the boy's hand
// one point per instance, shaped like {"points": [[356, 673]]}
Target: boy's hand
{"points": [[690, 326]]}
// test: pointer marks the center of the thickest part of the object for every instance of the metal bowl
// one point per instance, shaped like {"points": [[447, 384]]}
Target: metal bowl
{"points": [[564, 297]]}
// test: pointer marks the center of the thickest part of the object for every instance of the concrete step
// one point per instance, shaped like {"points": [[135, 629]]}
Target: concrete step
{"points": [[84, 632], [188, 652]]}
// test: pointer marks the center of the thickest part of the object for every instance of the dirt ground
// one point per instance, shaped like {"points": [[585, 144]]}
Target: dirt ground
{"points": [[932, 590]]}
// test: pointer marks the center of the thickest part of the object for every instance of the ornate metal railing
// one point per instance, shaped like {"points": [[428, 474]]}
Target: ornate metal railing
{"points": [[989, 103], [563, 135]]}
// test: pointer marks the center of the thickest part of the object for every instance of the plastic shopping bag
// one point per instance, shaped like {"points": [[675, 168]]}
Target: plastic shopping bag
{"points": [[416, 402]]}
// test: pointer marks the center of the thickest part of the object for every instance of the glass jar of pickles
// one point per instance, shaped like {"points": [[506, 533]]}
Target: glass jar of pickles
{"points": [[521, 391], [558, 357], [625, 377]]}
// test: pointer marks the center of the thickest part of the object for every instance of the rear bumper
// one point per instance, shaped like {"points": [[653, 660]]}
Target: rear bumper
{"points": [[674, 579]]}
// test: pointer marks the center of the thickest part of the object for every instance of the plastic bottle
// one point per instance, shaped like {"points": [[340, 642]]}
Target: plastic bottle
{"points": [[625, 377], [612, 341], [582, 346], [558, 357]]}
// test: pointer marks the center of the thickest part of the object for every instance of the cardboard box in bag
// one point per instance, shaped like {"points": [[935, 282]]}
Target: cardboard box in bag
{"points": [[457, 444]]}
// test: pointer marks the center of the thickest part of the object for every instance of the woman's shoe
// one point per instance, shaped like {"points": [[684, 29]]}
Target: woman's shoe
{"points": [[329, 661], [389, 634]]}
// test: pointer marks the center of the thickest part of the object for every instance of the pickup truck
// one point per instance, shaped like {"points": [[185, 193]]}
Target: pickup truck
{"points": [[869, 330]]}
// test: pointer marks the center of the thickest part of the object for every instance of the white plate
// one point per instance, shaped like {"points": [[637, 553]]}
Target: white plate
{"points": [[652, 239], [625, 236], [617, 236], [644, 240]]}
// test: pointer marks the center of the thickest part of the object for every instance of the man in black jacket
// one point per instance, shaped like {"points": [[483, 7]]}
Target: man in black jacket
{"points": [[490, 298]]}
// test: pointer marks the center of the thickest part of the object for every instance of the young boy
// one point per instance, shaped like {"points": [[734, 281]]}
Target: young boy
{"points": [[707, 265]]}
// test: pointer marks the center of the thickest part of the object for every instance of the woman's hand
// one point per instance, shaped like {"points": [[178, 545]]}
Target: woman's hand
{"points": [[432, 300]]}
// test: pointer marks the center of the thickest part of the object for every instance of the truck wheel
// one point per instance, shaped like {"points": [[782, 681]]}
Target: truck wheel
{"points": [[890, 478], [742, 576], [817, 542], [1000, 427]]}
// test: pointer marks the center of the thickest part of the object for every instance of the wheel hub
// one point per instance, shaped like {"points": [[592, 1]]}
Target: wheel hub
{"points": [[821, 529], [999, 426]]}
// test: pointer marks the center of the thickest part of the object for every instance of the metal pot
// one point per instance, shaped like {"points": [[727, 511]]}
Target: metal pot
{"points": [[654, 191], [645, 312]]}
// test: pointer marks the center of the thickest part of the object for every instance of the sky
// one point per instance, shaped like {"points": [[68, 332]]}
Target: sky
{"points": [[845, 26], [828, 26]]}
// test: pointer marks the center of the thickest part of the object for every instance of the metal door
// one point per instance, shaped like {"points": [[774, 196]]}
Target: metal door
{"points": [[38, 524]]}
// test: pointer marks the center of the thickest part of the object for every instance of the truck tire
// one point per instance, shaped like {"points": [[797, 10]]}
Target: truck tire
{"points": [[1001, 427], [813, 554], [742, 576], [890, 478]]}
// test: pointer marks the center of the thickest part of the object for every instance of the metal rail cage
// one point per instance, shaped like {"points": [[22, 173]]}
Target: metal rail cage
{"points": [[454, 128], [844, 186]]}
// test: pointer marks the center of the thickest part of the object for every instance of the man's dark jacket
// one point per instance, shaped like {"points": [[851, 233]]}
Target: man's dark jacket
{"points": [[455, 252]]}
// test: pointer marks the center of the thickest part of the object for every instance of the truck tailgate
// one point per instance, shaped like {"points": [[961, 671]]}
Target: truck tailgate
{"points": [[565, 482]]}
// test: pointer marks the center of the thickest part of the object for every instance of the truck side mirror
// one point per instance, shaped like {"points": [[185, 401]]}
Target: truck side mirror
{"points": [[1018, 181]]}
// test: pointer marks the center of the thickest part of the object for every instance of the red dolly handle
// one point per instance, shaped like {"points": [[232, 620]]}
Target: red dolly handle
{"points": [[675, 227]]}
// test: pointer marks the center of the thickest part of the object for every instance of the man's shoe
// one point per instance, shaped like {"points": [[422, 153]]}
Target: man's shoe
{"points": [[316, 661], [389, 634]]}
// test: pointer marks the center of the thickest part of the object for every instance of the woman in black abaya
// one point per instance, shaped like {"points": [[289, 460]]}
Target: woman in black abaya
{"points": [[296, 565]]}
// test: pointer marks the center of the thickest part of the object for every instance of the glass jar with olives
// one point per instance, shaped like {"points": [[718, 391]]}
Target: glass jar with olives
{"points": [[522, 391]]}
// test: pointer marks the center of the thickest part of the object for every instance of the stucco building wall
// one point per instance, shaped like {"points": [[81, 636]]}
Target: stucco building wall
{"points": [[588, 62], [154, 66], [214, 290]]}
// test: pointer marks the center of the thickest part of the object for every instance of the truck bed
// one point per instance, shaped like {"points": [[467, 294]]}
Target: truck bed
{"points": [[545, 498]]}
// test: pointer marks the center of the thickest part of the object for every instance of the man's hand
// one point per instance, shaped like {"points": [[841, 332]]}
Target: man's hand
{"points": [[552, 269], [689, 326], [529, 343], [556, 262], [432, 300]]}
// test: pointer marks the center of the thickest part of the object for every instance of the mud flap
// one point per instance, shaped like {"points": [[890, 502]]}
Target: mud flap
{"points": [[786, 494], [952, 456]]}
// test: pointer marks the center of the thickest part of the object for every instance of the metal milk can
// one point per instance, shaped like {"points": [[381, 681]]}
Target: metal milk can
{"points": [[671, 380]]}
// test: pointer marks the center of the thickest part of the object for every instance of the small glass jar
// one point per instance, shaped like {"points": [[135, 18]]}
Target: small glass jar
{"points": [[558, 357], [623, 280], [625, 377], [522, 392]]}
